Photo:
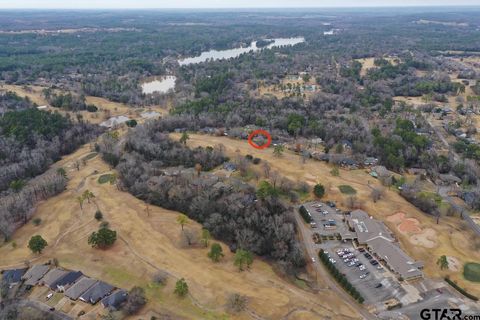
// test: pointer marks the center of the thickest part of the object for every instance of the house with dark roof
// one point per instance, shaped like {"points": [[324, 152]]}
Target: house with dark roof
{"points": [[52, 276], [13, 276], [97, 292], [115, 300], [79, 288], [34, 274], [349, 163], [67, 280]]}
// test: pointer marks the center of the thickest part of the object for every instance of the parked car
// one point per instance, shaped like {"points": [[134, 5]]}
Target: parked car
{"points": [[313, 259], [361, 249], [346, 260], [49, 296], [331, 204], [374, 262], [367, 255], [362, 267], [332, 260], [363, 276], [358, 264], [351, 264], [378, 285]]}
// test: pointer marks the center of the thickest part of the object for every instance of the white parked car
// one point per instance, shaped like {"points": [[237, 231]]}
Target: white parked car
{"points": [[351, 264], [332, 260], [313, 259], [362, 267], [363, 276], [49, 296]]}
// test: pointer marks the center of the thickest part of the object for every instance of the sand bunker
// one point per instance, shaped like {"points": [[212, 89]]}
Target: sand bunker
{"points": [[405, 225], [409, 225], [426, 239], [397, 218], [453, 263]]}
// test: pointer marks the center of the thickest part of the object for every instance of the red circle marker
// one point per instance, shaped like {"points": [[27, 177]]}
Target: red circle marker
{"points": [[263, 133]]}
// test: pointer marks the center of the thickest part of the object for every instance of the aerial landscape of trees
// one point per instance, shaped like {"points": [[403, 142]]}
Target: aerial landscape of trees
{"points": [[31, 141]]}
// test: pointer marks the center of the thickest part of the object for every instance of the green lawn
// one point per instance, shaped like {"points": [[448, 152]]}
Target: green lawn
{"points": [[471, 271], [104, 178], [346, 189], [90, 156]]}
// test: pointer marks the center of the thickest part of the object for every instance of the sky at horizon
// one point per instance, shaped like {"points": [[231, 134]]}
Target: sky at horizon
{"points": [[139, 4]]}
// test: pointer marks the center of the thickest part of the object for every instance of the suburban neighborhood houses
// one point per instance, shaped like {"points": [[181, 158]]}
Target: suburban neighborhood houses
{"points": [[66, 285]]}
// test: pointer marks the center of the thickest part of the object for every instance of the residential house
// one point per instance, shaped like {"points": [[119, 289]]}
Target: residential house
{"points": [[52, 276], [97, 292], [82, 285], [67, 280], [349, 163], [370, 161], [13, 276], [115, 300], [34, 274]]}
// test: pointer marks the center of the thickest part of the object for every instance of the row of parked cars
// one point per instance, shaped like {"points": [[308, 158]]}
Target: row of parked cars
{"points": [[351, 260], [371, 259]]}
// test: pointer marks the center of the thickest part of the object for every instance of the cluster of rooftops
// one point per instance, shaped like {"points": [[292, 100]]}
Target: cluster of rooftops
{"points": [[74, 284], [376, 236]]}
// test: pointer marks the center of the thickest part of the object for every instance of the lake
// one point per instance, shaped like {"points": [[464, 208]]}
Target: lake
{"points": [[233, 53], [160, 85]]}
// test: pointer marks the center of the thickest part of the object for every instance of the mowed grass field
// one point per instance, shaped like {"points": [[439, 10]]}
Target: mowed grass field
{"points": [[450, 237], [149, 241]]}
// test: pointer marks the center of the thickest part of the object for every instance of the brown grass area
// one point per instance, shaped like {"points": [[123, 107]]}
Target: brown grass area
{"points": [[367, 64], [148, 243], [34, 93], [450, 237], [106, 108]]}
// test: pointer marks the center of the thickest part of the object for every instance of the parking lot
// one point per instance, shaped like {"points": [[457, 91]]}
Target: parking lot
{"points": [[328, 220], [365, 273], [370, 280]]}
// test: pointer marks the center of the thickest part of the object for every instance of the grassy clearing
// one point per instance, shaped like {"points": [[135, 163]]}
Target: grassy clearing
{"points": [[471, 271], [90, 156], [55, 299], [346, 189], [104, 178]]}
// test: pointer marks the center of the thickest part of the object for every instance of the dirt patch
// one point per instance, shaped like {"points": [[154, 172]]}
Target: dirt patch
{"points": [[397, 218], [410, 225], [427, 238], [453, 263]]}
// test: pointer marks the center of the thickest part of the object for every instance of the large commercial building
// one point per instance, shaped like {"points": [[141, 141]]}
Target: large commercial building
{"points": [[376, 237]]}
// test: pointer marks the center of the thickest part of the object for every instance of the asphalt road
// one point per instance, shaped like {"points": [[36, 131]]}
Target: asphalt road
{"points": [[322, 272]]}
